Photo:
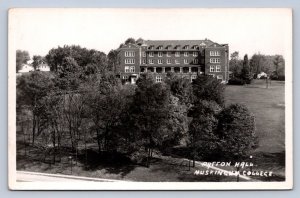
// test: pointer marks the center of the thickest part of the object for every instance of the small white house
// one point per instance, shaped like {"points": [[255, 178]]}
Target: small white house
{"points": [[26, 68], [43, 67], [262, 75]]}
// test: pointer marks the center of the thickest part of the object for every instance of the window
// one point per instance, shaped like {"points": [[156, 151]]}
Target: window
{"points": [[168, 54], [151, 61], [125, 78], [195, 47], [214, 53], [158, 78], [160, 54], [129, 61], [129, 54], [144, 54], [195, 61], [169, 47], [212, 68], [214, 60], [177, 61], [160, 47], [186, 47], [126, 69], [219, 77], [144, 61], [177, 54], [195, 54], [168, 61], [151, 54], [132, 69], [160, 61], [186, 61], [218, 68], [186, 54], [151, 47]]}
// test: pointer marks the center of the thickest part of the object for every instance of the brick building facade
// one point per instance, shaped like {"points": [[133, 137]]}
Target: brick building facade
{"points": [[187, 58]]}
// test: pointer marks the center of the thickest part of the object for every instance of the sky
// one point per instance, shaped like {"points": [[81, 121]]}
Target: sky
{"points": [[249, 31]]}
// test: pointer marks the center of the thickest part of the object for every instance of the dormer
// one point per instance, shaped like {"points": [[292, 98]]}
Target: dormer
{"points": [[186, 47], [151, 47], [177, 47], [169, 47], [160, 47], [195, 47]]}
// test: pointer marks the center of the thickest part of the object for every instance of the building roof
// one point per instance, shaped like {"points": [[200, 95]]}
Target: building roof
{"points": [[174, 43]]}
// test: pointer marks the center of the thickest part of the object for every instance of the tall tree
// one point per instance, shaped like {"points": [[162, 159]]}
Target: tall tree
{"points": [[37, 60], [150, 108], [113, 60], [257, 63], [235, 64], [202, 137], [31, 91], [236, 131], [130, 41], [246, 75], [208, 88], [82, 56], [279, 65], [21, 58]]}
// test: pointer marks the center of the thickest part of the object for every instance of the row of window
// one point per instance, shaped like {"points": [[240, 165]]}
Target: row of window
{"points": [[129, 61], [214, 60], [168, 54], [129, 54], [130, 69], [215, 68], [186, 47], [169, 61], [177, 54], [159, 78], [214, 53]]}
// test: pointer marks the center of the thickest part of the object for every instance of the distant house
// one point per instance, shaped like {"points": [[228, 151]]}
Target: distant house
{"points": [[262, 75], [26, 68], [43, 67]]}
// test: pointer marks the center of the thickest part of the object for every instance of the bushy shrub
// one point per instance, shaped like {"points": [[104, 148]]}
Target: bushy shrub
{"points": [[278, 77], [236, 81]]}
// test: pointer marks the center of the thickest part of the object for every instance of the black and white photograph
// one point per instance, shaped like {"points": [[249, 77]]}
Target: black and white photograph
{"points": [[150, 99]]}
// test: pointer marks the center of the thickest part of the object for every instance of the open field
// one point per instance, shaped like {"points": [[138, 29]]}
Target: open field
{"points": [[268, 107]]}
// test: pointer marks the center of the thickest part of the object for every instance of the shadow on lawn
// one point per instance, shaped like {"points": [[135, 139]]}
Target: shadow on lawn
{"points": [[112, 162]]}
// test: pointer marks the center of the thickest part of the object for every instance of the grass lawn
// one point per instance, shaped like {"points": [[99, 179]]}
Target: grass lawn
{"points": [[268, 107]]}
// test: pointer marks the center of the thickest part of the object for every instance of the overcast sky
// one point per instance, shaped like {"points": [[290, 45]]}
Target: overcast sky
{"points": [[250, 31]]}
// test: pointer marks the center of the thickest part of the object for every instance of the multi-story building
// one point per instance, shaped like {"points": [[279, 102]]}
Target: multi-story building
{"points": [[187, 58]]}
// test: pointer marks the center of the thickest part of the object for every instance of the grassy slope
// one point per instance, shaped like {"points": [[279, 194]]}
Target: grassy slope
{"points": [[268, 107]]}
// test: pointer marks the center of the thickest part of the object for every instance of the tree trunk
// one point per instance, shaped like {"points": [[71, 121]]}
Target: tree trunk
{"points": [[85, 148], [33, 129], [98, 141], [71, 135], [54, 146], [194, 160], [148, 157]]}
